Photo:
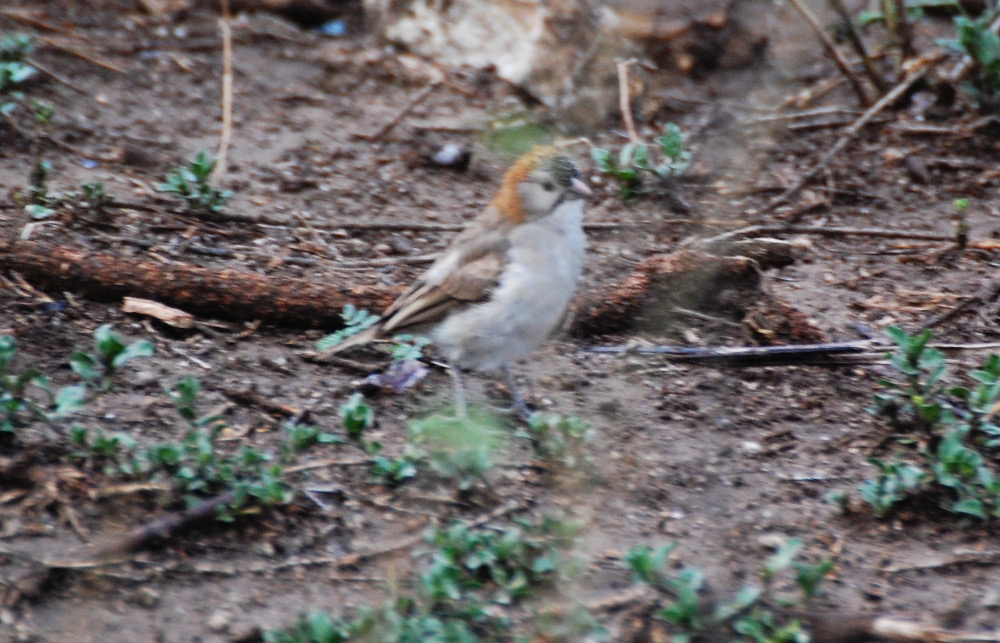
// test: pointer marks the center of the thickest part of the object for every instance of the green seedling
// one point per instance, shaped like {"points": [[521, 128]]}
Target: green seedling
{"points": [[392, 472], [355, 321], [458, 596], [954, 432], [95, 195], [14, 399], [357, 416], [14, 70], [192, 183], [560, 439], [14, 50], [16, 405], [633, 161], [302, 437], [111, 353], [751, 613], [460, 448], [44, 112], [896, 480], [982, 45]]}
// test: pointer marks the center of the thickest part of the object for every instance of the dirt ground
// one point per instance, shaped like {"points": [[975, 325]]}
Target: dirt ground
{"points": [[726, 462]]}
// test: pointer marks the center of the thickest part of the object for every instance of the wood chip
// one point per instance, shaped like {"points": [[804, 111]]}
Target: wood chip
{"points": [[166, 314]]}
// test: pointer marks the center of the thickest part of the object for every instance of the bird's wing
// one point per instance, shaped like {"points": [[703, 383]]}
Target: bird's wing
{"points": [[465, 274]]}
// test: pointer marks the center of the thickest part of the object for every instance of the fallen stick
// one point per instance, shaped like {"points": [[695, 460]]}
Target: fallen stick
{"points": [[986, 294], [221, 156], [831, 48], [884, 233], [854, 37], [624, 104], [416, 100], [225, 293], [742, 356], [851, 132], [834, 353]]}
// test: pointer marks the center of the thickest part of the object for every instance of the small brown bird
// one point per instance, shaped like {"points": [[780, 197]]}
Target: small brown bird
{"points": [[504, 284]]}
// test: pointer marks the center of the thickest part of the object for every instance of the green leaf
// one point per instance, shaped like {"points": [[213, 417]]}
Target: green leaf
{"points": [[142, 348], [971, 506], [603, 159], [69, 400], [783, 557]]}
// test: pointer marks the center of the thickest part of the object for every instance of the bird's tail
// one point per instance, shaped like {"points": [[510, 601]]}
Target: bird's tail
{"points": [[354, 341]]}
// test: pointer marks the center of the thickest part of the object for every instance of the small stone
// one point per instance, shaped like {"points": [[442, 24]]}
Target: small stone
{"points": [[219, 621], [145, 597], [772, 540]]}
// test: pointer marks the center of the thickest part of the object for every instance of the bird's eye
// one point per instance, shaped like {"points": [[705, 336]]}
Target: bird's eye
{"points": [[548, 186]]}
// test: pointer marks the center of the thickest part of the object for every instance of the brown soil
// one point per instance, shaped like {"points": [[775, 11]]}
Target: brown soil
{"points": [[725, 462]]}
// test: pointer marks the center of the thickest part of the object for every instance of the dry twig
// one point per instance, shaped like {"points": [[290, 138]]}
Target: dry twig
{"points": [[227, 92], [416, 100], [624, 102], [854, 36], [851, 132], [838, 58]]}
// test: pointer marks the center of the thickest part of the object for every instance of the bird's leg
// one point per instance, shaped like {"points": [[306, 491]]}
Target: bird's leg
{"points": [[456, 379], [519, 404]]}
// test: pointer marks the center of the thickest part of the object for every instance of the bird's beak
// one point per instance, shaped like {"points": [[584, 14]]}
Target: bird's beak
{"points": [[578, 186]]}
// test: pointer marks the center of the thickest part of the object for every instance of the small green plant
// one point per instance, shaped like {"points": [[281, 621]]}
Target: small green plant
{"points": [[896, 480], [14, 50], [355, 321], [95, 195], [111, 353], [192, 183], [752, 612], [408, 347], [982, 45], [41, 201], [633, 161], [392, 471], [458, 596], [950, 429], [14, 400], [44, 112], [95, 370], [357, 416], [916, 400], [461, 448], [560, 439], [302, 437], [197, 465]]}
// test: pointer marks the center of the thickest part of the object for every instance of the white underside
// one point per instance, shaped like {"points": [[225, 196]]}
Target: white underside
{"points": [[546, 257]]}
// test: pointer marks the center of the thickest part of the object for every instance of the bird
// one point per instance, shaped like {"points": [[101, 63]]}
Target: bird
{"points": [[505, 282]]}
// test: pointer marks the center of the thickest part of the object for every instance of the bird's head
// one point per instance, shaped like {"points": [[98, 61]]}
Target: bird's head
{"points": [[537, 183]]}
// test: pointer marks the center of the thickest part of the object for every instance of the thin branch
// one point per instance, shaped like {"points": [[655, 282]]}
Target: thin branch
{"points": [[227, 92], [854, 36], [851, 132], [833, 353], [838, 58], [624, 102], [416, 100], [883, 233], [62, 80], [986, 294]]}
